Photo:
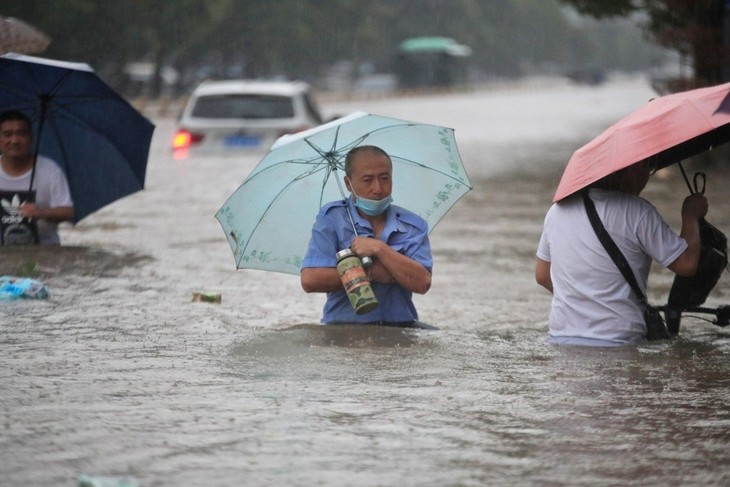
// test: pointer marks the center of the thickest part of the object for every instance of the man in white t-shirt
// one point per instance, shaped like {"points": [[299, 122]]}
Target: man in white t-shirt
{"points": [[33, 200], [592, 302]]}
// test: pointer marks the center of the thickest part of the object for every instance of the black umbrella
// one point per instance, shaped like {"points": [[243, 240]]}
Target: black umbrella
{"points": [[99, 139]]}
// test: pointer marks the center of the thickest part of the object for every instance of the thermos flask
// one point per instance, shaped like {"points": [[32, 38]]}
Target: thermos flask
{"points": [[356, 282]]}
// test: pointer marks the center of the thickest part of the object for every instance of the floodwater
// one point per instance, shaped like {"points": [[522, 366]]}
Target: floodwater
{"points": [[121, 374]]}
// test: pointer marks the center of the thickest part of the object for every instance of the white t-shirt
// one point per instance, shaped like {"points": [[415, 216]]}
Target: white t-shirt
{"points": [[591, 299], [51, 189]]}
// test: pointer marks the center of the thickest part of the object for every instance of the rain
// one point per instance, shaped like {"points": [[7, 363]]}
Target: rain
{"points": [[126, 375]]}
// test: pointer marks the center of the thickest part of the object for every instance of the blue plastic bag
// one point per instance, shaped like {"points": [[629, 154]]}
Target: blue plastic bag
{"points": [[12, 287]]}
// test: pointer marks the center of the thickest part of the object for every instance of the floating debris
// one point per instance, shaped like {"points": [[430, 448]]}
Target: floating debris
{"points": [[206, 297]]}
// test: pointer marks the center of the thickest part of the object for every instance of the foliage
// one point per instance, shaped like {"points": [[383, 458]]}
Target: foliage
{"points": [[693, 28], [28, 269]]}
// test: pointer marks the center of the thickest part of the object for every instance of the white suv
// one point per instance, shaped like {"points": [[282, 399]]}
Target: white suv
{"points": [[238, 114]]}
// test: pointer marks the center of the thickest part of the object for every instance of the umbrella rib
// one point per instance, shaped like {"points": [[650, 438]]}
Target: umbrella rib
{"points": [[85, 125], [22, 96], [334, 155], [274, 200], [303, 162], [315, 166], [357, 142], [432, 169], [52, 124], [334, 159]]}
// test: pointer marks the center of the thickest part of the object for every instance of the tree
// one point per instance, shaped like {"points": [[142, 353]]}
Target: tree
{"points": [[693, 28]]}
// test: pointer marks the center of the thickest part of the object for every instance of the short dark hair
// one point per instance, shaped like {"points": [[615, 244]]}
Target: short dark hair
{"points": [[15, 115], [350, 157]]}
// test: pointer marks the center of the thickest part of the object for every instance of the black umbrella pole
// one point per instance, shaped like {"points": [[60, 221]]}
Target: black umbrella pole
{"points": [[44, 109]]}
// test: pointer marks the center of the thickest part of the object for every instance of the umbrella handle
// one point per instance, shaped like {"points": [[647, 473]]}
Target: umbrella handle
{"points": [[684, 175], [694, 188], [699, 177]]}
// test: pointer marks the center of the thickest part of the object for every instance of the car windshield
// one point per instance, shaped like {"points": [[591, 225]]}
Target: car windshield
{"points": [[244, 106]]}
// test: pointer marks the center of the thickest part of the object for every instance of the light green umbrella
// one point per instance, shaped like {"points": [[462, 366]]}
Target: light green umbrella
{"points": [[268, 219]]}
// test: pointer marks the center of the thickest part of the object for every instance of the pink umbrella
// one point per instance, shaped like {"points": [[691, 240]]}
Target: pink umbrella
{"points": [[669, 129], [20, 37]]}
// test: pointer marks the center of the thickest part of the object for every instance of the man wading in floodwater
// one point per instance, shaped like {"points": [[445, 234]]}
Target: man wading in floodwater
{"points": [[395, 238], [593, 304], [34, 194]]}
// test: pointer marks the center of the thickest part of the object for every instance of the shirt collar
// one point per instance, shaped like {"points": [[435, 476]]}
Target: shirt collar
{"points": [[392, 221]]}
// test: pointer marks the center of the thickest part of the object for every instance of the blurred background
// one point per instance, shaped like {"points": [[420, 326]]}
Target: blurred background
{"points": [[152, 49]]}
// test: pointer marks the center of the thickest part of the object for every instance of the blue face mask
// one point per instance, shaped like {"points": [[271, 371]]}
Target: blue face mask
{"points": [[372, 207]]}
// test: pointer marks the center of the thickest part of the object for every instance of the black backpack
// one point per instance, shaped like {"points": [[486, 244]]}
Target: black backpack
{"points": [[692, 291]]}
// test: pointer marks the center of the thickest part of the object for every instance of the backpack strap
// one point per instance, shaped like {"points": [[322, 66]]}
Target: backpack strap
{"points": [[612, 249]]}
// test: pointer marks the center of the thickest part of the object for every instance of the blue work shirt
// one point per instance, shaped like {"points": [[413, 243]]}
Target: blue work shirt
{"points": [[404, 231]]}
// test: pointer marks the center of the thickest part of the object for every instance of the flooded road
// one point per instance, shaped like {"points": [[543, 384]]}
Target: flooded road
{"points": [[120, 373]]}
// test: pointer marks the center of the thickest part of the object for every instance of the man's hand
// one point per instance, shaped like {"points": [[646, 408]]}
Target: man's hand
{"points": [[390, 266], [367, 247], [29, 210], [56, 215], [695, 206]]}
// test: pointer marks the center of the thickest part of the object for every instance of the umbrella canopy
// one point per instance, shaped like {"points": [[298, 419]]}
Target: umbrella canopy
{"points": [[269, 218], [668, 129], [95, 135], [19, 37]]}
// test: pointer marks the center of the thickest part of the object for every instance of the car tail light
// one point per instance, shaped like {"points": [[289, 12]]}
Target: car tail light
{"points": [[184, 139], [294, 130]]}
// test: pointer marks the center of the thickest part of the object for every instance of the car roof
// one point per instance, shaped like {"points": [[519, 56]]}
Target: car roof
{"points": [[286, 88]]}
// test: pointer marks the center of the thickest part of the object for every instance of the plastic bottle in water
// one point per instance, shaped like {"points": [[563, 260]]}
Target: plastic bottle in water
{"points": [[94, 481]]}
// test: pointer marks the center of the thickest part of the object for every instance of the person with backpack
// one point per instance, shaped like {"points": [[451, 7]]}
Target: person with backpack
{"points": [[593, 304]]}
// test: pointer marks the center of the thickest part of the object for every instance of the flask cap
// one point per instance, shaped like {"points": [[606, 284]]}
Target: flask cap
{"points": [[343, 253]]}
